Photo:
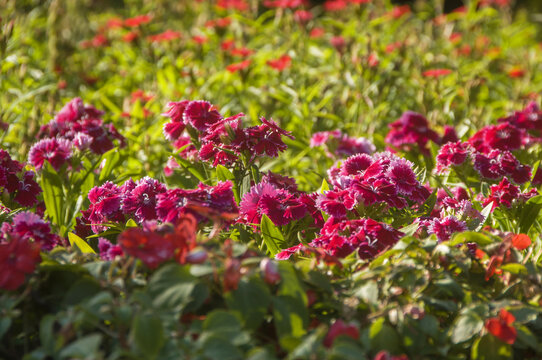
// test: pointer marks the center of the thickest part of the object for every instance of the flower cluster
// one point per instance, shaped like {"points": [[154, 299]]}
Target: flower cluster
{"points": [[492, 165], [340, 145], [506, 193], [222, 140], [362, 181], [148, 199], [280, 205], [16, 182], [340, 238], [30, 226], [411, 132], [155, 244], [79, 125]]}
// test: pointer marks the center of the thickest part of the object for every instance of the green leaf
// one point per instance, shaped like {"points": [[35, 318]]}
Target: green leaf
{"points": [[225, 325], [514, 268], [529, 213], [130, 223], [250, 301], [80, 244], [272, 236], [324, 187], [223, 174], [489, 347], [5, 324], [111, 159], [173, 287], [485, 213], [466, 327], [148, 335], [470, 236], [83, 347], [383, 337], [290, 317], [216, 347], [53, 195]]}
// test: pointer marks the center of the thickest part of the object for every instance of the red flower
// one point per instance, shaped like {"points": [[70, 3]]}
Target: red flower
{"points": [[372, 60], [303, 16], [141, 200], [238, 66], [500, 327], [130, 36], [452, 154], [335, 5], [446, 227], [317, 32], [340, 328], [399, 11], [137, 20], [30, 226], [280, 64], [199, 39], [502, 194], [284, 4], [516, 72], [411, 130], [155, 245], [339, 43], [167, 35], [241, 52], [201, 114], [240, 5], [435, 73], [28, 190], [521, 241], [18, 257], [56, 151]]}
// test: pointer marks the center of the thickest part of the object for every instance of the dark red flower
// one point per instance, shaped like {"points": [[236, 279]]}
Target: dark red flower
{"points": [[148, 246], [411, 131], [446, 227], [201, 114], [452, 154], [502, 194], [28, 190], [141, 200], [105, 206], [108, 251], [56, 151], [30, 226], [18, 257], [501, 328], [340, 328]]}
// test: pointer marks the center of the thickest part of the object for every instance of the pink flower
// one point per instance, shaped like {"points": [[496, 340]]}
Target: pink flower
{"points": [[452, 154], [411, 132], [56, 151], [105, 206], [266, 138], [141, 200], [446, 227], [240, 5], [279, 205], [108, 251], [356, 164], [336, 203], [502, 194], [30, 226], [449, 135], [339, 43], [174, 128], [504, 136], [201, 114], [303, 16]]}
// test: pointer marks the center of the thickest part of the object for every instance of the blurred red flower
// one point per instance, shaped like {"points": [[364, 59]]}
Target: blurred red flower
{"points": [[280, 64], [138, 20], [435, 73], [238, 66], [167, 35], [500, 327]]}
